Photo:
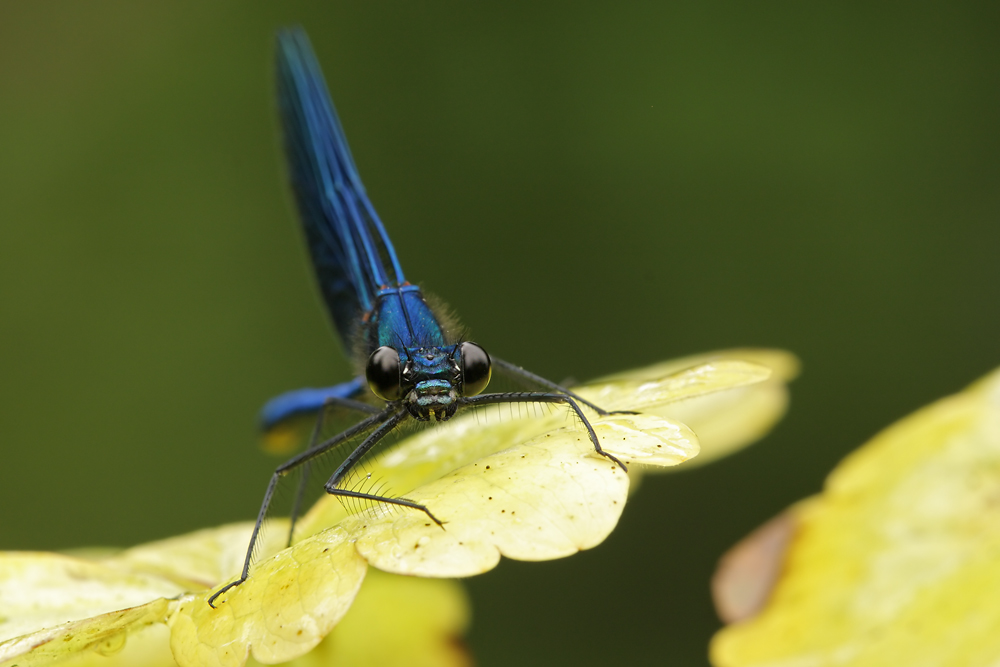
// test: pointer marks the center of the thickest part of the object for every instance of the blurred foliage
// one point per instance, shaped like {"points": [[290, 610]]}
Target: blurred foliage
{"points": [[896, 562], [628, 182]]}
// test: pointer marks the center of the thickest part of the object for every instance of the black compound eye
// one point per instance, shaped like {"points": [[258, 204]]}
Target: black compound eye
{"points": [[383, 373], [476, 369]]}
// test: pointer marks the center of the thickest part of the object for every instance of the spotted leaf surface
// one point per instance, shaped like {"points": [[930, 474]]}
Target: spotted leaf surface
{"points": [[529, 486]]}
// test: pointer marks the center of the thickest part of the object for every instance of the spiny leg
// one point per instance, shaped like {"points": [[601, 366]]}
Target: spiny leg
{"points": [[385, 416], [355, 457], [538, 379], [539, 397], [331, 402], [402, 502], [297, 504]]}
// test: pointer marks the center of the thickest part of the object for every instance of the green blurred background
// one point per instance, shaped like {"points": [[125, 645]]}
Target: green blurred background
{"points": [[592, 186]]}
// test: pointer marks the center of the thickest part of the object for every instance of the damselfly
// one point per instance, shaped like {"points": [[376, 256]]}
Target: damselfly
{"points": [[415, 363]]}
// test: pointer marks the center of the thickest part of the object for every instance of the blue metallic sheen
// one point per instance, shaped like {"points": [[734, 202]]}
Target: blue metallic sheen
{"points": [[304, 401], [351, 252], [359, 274], [410, 360], [402, 319]]}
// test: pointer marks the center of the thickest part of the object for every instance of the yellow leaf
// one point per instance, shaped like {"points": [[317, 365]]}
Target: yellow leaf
{"points": [[394, 621], [528, 486], [729, 403], [726, 420], [398, 622], [53, 606], [88, 641], [293, 600], [898, 561], [200, 559], [547, 498]]}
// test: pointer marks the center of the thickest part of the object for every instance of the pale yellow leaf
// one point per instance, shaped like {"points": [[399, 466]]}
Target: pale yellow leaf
{"points": [[648, 394], [898, 561], [719, 390], [545, 499], [200, 559], [89, 639], [293, 600], [398, 622], [729, 419], [525, 483], [53, 605]]}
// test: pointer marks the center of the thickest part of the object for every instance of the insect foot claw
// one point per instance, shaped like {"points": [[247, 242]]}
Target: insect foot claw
{"points": [[613, 458], [211, 600], [431, 516], [435, 520]]}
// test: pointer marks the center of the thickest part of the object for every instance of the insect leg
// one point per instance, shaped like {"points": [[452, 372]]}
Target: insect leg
{"points": [[540, 397], [514, 369], [287, 467], [331, 401], [354, 457], [297, 504]]}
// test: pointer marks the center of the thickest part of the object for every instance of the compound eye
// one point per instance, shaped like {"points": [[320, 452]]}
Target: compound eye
{"points": [[383, 373], [475, 369]]}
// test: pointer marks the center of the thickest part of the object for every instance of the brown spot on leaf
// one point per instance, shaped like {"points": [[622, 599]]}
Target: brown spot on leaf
{"points": [[747, 573]]}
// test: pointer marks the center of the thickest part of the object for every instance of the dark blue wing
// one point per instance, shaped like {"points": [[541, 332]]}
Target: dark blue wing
{"points": [[352, 255]]}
